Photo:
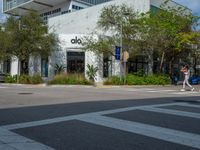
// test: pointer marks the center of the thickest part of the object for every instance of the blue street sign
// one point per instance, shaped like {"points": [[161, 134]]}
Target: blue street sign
{"points": [[117, 52]]}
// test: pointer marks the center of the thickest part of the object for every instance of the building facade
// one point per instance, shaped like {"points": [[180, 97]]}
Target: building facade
{"points": [[71, 21]]}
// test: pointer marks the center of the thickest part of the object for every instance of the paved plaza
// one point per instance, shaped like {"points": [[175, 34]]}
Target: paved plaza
{"points": [[99, 118]]}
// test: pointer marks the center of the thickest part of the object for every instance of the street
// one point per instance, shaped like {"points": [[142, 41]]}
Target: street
{"points": [[99, 118]]}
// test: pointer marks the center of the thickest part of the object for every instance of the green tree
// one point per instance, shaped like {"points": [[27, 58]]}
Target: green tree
{"points": [[29, 37], [168, 31], [116, 23], [4, 44]]}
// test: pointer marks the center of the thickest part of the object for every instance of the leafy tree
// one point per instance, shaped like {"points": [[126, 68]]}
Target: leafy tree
{"points": [[4, 44], [168, 32], [29, 36], [116, 23]]}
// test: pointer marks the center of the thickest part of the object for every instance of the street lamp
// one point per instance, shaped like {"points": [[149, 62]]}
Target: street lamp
{"points": [[18, 68], [122, 51]]}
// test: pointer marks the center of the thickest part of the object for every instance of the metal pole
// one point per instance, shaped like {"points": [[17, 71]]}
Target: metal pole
{"points": [[18, 67], [121, 44], [124, 72], [122, 61]]}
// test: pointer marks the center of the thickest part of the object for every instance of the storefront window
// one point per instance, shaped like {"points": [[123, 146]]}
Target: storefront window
{"points": [[138, 64], [44, 67], [75, 62], [24, 67], [107, 67], [6, 66]]}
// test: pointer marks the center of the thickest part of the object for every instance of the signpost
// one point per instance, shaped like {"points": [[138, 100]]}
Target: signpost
{"points": [[117, 52]]}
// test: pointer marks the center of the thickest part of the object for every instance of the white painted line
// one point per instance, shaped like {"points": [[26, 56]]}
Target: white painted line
{"points": [[189, 105], [168, 90], [153, 91], [6, 147], [3, 87], [170, 135], [21, 143], [30, 146], [133, 108], [185, 93], [139, 90], [39, 123], [72, 117], [172, 112], [18, 142]]}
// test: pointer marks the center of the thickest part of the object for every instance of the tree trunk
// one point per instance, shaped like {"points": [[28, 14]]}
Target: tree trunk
{"points": [[161, 62], [150, 62]]}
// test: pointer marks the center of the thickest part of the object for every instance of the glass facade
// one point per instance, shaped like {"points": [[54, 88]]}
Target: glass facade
{"points": [[154, 9], [75, 62], [44, 67], [9, 4], [95, 2]]}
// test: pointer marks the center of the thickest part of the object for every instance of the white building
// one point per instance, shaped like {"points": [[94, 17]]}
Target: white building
{"points": [[71, 26]]}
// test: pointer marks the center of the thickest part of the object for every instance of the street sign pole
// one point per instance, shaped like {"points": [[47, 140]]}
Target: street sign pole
{"points": [[119, 57]]}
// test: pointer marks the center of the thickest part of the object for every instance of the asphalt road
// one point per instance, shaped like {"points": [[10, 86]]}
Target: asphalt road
{"points": [[103, 118]]}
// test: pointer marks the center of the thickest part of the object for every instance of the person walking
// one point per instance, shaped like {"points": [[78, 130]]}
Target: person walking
{"points": [[186, 72]]}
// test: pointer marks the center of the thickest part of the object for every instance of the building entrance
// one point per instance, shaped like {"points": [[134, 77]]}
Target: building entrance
{"points": [[75, 62]]}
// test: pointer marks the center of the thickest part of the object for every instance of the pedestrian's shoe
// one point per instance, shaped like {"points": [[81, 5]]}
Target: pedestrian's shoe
{"points": [[192, 89], [182, 90]]}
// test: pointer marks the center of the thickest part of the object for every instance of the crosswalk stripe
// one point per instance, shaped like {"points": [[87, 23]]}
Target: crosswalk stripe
{"points": [[172, 112], [189, 105], [170, 135], [166, 134], [13, 140]]}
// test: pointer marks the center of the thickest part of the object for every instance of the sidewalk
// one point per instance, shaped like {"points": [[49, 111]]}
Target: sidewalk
{"points": [[167, 87]]}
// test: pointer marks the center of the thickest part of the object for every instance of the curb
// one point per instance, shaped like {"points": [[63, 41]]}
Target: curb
{"points": [[18, 85]]}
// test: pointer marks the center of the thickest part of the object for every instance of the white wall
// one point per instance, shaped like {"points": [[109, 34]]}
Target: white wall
{"points": [[34, 65], [84, 21], [70, 42], [14, 66]]}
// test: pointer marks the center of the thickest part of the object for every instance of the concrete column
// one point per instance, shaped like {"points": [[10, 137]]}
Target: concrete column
{"points": [[1, 66], [14, 66], [117, 68], [34, 65], [51, 66], [97, 61]]}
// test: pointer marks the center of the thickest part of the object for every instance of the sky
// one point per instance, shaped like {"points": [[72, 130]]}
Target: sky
{"points": [[194, 5]]}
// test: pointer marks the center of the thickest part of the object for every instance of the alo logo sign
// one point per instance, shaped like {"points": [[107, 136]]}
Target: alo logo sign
{"points": [[76, 40]]}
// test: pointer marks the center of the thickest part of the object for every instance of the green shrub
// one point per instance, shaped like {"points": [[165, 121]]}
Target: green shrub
{"points": [[139, 80], [24, 79], [114, 80], [134, 80], [36, 79], [11, 79], [70, 79], [59, 69], [157, 80], [91, 72]]}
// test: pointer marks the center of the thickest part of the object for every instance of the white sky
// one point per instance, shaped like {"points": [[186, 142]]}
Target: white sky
{"points": [[194, 5]]}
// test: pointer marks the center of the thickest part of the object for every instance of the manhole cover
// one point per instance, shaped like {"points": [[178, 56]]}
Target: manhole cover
{"points": [[25, 93]]}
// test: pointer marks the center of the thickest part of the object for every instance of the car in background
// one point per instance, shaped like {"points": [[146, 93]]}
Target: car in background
{"points": [[194, 80], [2, 76]]}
